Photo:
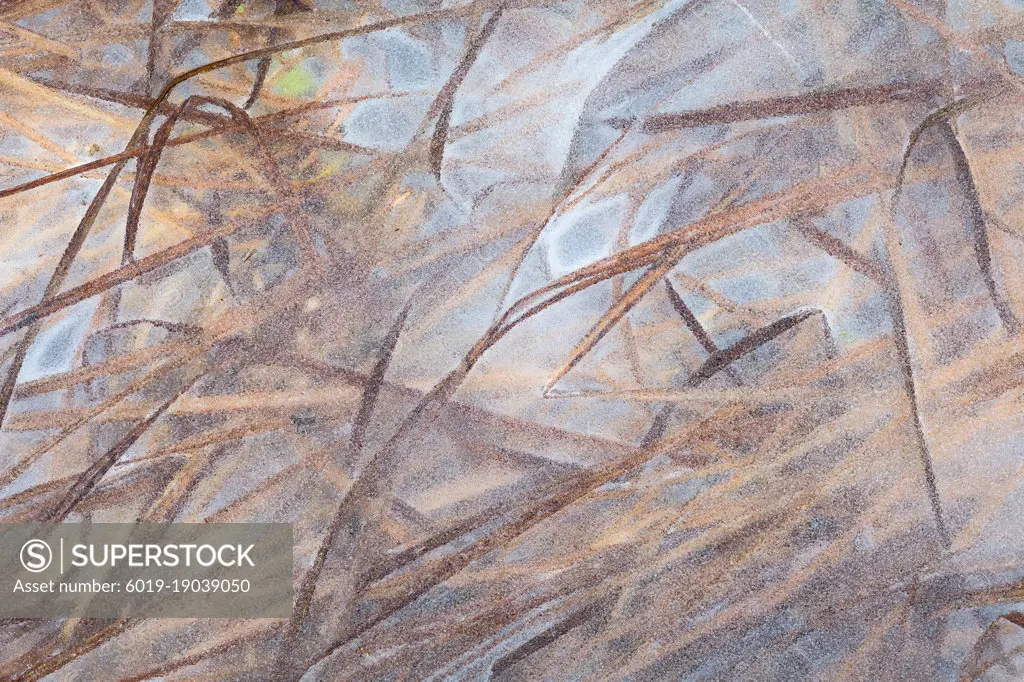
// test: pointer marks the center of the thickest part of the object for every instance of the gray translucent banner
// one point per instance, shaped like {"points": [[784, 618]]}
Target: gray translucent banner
{"points": [[112, 570]]}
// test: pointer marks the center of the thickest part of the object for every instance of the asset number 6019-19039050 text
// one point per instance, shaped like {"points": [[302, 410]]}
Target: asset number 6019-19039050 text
{"points": [[188, 585]]}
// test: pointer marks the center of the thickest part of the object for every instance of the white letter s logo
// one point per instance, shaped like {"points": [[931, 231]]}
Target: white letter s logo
{"points": [[36, 556]]}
